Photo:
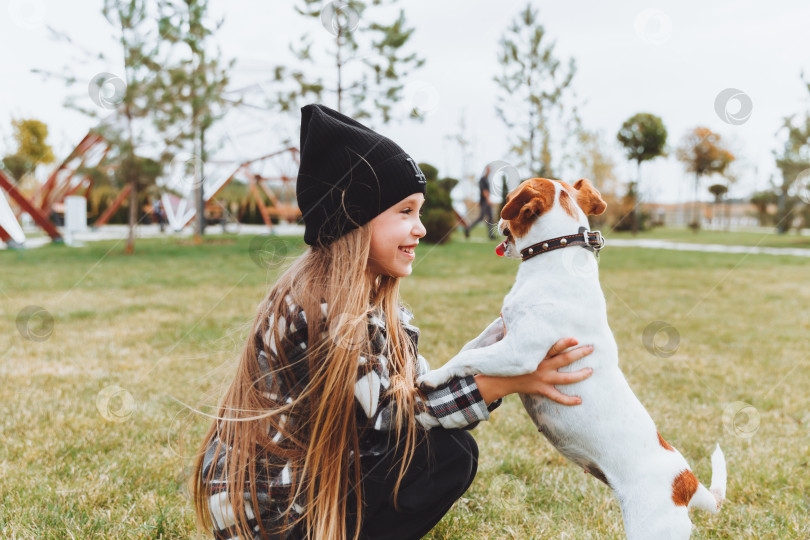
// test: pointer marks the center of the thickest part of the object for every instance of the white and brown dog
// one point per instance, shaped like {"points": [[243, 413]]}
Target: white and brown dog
{"points": [[557, 294]]}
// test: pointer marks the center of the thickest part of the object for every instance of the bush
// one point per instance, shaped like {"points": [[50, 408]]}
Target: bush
{"points": [[440, 224], [437, 213]]}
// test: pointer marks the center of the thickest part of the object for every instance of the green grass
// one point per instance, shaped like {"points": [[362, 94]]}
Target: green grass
{"points": [[167, 323]]}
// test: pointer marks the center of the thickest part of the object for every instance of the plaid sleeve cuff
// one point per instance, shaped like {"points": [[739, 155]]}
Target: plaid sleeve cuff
{"points": [[458, 404]]}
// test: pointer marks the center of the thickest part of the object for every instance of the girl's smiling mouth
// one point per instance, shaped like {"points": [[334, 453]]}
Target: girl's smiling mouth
{"points": [[408, 250]]}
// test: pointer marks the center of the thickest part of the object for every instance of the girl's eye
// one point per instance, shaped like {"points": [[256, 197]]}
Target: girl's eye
{"points": [[408, 211]]}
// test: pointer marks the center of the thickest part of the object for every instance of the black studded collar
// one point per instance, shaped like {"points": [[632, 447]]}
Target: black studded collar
{"points": [[590, 240]]}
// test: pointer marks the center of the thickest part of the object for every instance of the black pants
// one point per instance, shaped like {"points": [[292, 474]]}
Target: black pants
{"points": [[486, 217], [441, 471]]}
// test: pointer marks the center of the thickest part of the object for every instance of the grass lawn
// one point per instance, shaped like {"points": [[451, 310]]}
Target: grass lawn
{"points": [[82, 459]]}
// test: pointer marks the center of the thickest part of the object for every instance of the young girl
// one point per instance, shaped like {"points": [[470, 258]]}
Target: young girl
{"points": [[323, 434]]}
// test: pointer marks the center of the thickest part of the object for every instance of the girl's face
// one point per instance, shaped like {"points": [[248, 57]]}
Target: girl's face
{"points": [[394, 236]]}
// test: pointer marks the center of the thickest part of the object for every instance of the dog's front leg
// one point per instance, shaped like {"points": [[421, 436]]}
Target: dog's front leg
{"points": [[491, 334], [519, 352], [506, 358]]}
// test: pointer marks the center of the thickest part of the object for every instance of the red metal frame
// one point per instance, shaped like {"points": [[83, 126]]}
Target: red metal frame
{"points": [[58, 186], [37, 214], [102, 220], [256, 181]]}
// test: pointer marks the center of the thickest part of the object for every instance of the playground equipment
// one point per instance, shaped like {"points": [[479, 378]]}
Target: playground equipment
{"points": [[66, 180], [275, 170], [39, 217], [284, 208], [262, 173], [9, 228]]}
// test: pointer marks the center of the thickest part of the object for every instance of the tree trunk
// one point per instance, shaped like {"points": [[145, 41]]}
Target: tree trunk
{"points": [[198, 192], [133, 214], [133, 192], [199, 198], [636, 202], [203, 157], [339, 69], [695, 222]]}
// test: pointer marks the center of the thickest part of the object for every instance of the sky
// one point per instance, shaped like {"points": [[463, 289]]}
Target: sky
{"points": [[671, 59]]}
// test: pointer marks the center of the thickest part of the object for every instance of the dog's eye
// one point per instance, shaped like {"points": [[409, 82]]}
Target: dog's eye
{"points": [[507, 232]]}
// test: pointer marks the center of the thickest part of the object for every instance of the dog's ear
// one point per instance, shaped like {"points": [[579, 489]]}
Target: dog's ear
{"points": [[532, 198], [589, 198]]}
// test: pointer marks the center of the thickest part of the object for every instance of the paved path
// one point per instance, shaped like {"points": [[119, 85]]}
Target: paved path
{"points": [[716, 248], [121, 232]]}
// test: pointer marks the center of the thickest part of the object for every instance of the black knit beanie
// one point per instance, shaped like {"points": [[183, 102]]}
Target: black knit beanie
{"points": [[349, 174]]}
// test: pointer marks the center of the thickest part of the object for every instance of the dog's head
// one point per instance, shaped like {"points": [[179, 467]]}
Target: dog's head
{"points": [[539, 209]]}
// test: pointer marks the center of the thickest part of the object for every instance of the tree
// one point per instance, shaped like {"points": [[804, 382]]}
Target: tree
{"points": [[532, 91], [438, 216], [792, 160], [644, 137], [595, 161], [124, 101], [188, 93], [596, 164], [702, 152], [32, 148], [367, 56], [763, 200], [718, 190], [140, 47]]}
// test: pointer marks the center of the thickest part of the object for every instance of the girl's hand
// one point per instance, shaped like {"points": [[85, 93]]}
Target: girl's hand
{"points": [[544, 378]]}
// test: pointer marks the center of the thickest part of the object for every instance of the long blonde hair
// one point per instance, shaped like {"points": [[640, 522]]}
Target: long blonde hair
{"points": [[319, 427]]}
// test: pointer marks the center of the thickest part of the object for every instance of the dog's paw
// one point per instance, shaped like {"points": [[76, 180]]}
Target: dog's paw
{"points": [[432, 380]]}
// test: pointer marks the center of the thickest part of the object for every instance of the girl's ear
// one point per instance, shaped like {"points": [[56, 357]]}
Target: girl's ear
{"points": [[533, 197], [589, 198]]}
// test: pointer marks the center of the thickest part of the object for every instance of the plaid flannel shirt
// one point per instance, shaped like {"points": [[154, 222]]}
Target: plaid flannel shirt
{"points": [[457, 404]]}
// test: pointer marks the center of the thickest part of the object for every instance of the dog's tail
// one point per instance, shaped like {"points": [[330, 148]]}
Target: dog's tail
{"points": [[711, 499]]}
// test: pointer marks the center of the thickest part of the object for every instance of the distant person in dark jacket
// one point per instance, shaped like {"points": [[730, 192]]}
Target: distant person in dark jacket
{"points": [[486, 206]]}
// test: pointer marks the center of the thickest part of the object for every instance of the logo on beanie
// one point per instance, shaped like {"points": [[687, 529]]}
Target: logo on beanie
{"points": [[419, 174]]}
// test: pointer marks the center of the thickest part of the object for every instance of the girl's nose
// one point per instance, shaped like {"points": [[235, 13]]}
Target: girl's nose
{"points": [[419, 231]]}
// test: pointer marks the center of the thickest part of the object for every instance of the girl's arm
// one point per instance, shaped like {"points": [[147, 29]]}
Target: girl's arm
{"points": [[543, 379], [456, 404]]}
